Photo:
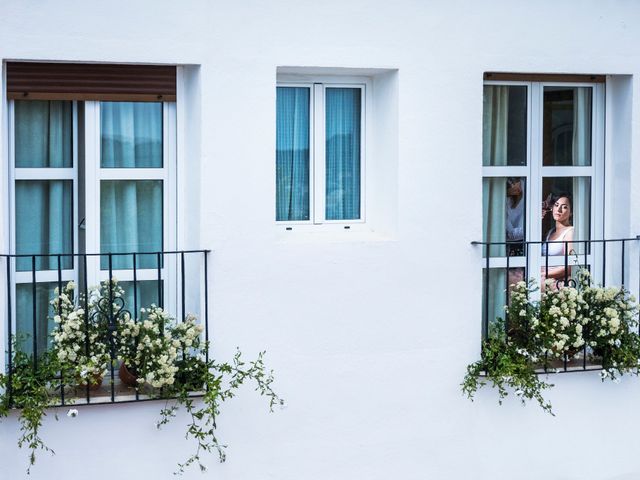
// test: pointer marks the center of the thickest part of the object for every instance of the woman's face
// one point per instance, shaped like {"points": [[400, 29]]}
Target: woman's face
{"points": [[562, 210]]}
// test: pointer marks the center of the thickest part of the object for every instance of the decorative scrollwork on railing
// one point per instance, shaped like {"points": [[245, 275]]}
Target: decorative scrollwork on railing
{"points": [[109, 311]]}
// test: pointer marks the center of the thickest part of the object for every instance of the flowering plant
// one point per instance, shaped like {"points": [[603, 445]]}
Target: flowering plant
{"points": [[167, 355], [563, 322], [79, 340], [147, 347]]}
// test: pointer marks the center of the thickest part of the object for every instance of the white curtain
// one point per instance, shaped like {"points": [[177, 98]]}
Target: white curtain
{"points": [[581, 151], [495, 119], [581, 141]]}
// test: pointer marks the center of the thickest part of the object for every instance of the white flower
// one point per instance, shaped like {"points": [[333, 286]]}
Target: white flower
{"points": [[72, 413]]}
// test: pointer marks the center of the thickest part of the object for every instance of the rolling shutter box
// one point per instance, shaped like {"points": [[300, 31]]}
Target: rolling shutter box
{"points": [[89, 81]]}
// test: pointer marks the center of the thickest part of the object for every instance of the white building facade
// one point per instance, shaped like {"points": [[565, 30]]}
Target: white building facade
{"points": [[370, 317]]}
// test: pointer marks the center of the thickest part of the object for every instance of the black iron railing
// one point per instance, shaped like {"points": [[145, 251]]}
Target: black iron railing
{"points": [[610, 262], [176, 281]]}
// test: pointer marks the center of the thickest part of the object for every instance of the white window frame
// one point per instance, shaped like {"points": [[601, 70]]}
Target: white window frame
{"points": [[535, 172], [317, 86], [93, 175]]}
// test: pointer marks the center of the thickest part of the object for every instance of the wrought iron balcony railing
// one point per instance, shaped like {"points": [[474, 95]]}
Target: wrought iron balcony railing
{"points": [[176, 281], [610, 262]]}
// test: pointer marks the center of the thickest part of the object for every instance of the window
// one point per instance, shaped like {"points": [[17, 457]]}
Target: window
{"points": [[542, 182], [90, 177], [320, 158]]}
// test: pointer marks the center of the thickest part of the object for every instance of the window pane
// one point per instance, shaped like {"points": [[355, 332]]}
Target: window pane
{"points": [[24, 315], [130, 221], [131, 134], [147, 295], [494, 295], [292, 153], [44, 225], [43, 134], [567, 126], [566, 213], [504, 214], [504, 126], [343, 115]]}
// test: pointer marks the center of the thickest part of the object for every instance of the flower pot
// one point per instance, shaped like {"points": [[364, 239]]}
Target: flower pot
{"points": [[95, 382], [128, 376]]}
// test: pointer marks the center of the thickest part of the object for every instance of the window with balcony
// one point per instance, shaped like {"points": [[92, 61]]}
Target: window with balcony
{"points": [[543, 181], [93, 195]]}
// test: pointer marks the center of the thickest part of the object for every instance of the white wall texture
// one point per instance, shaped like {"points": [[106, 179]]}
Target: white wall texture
{"points": [[369, 334]]}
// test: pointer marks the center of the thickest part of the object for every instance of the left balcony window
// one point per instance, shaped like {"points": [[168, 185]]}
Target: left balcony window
{"points": [[89, 177]]}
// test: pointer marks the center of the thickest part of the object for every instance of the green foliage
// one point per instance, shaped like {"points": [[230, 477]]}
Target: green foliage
{"points": [[30, 390], [564, 322], [506, 367], [168, 356], [221, 382]]}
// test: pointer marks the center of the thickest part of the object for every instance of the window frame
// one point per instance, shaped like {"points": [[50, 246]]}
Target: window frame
{"points": [[317, 86], [534, 171], [93, 174]]}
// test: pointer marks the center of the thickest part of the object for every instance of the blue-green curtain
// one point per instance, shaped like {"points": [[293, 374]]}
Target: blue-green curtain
{"points": [[44, 222], [130, 221], [43, 134], [131, 135], [343, 116], [147, 294], [130, 210], [292, 153], [24, 316]]}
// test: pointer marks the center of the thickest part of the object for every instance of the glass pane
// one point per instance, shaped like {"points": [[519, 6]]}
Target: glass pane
{"points": [[292, 153], [130, 221], [44, 222], [131, 135], [566, 215], [24, 315], [567, 126], [343, 112], [494, 295], [147, 294], [43, 134], [504, 214], [504, 125]]}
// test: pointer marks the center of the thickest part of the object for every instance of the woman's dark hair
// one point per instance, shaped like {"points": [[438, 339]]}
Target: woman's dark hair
{"points": [[566, 195]]}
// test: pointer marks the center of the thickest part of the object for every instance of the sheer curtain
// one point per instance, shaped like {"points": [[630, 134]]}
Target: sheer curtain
{"points": [[131, 210], [494, 153], [292, 153], [43, 134], [581, 152], [43, 208], [343, 115], [131, 135], [44, 222], [495, 125]]}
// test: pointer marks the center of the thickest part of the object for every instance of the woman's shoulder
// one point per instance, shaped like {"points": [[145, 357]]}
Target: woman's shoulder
{"points": [[567, 231]]}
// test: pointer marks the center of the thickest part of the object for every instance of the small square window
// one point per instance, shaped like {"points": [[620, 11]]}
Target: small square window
{"points": [[319, 152]]}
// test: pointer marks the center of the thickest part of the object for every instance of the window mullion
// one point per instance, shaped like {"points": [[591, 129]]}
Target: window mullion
{"points": [[92, 189], [535, 162], [319, 154]]}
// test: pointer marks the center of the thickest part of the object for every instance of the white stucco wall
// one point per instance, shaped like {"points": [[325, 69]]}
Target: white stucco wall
{"points": [[369, 334]]}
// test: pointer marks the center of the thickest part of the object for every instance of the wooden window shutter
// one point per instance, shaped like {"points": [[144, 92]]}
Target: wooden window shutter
{"points": [[90, 81], [544, 77]]}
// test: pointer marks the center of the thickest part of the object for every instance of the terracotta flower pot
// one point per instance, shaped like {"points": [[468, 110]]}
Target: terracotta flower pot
{"points": [[95, 382], [127, 376]]}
